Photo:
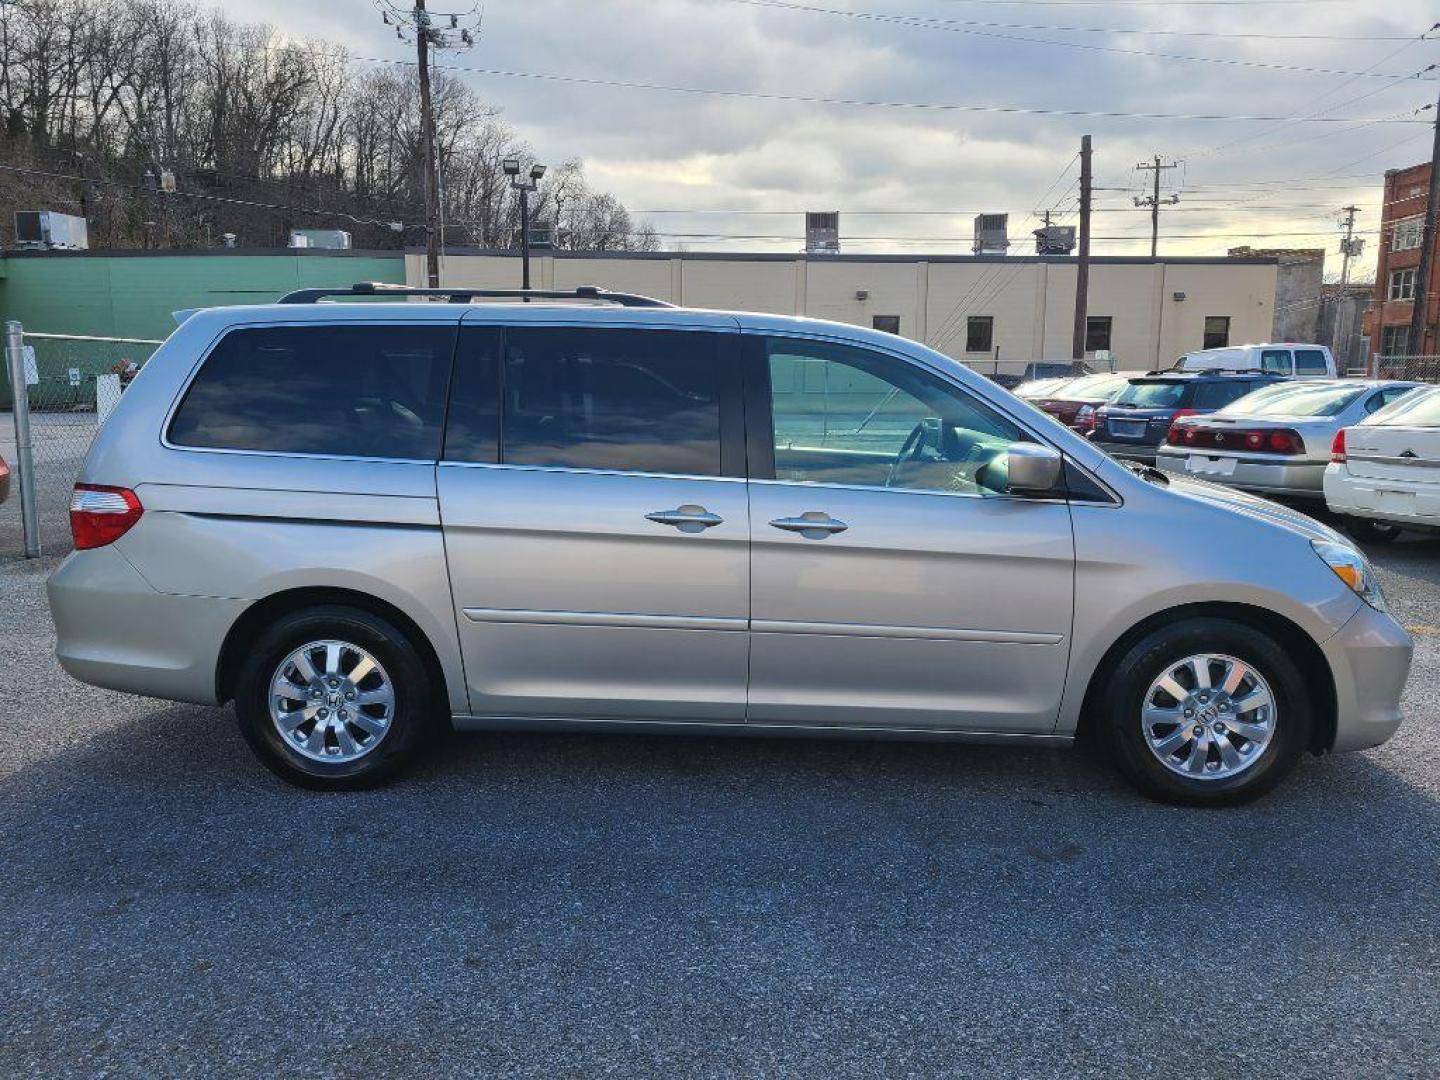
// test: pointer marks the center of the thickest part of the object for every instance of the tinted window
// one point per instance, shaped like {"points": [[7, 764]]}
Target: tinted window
{"points": [[1216, 395], [979, 333], [1311, 362], [846, 415], [366, 391], [472, 430], [1151, 395], [888, 323], [634, 400], [1097, 332], [1217, 332]]}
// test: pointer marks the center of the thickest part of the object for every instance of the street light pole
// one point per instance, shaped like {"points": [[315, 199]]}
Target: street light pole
{"points": [[524, 187]]}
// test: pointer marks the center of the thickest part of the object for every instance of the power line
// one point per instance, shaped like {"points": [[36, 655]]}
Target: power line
{"points": [[978, 29], [1149, 31], [807, 99]]}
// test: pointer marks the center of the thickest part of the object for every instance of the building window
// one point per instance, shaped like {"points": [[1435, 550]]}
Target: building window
{"points": [[888, 323], [1097, 333], [1405, 234], [1402, 285], [1394, 340], [979, 333], [1217, 332]]}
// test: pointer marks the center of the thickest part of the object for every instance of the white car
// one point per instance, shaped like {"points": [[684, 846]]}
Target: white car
{"points": [[1384, 473], [1290, 358]]}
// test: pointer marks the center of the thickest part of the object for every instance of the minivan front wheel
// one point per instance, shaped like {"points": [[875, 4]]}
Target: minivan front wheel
{"points": [[333, 697], [1206, 712]]}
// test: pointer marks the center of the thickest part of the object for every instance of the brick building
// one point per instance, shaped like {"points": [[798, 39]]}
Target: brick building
{"points": [[1402, 222]]}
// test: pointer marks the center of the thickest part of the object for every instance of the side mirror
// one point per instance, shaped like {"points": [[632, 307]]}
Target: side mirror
{"points": [[1033, 469]]}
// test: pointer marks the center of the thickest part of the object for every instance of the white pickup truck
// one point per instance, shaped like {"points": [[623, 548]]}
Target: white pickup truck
{"points": [[1290, 358]]}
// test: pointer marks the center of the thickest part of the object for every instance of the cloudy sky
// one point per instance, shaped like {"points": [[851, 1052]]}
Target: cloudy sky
{"points": [[692, 162]]}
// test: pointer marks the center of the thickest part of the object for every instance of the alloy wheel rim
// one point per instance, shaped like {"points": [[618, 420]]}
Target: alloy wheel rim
{"points": [[1208, 717], [331, 701]]}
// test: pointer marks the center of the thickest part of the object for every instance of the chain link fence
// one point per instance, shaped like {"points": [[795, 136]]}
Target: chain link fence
{"points": [[1420, 368], [70, 383]]}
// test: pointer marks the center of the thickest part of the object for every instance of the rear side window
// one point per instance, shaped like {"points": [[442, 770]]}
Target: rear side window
{"points": [[355, 391], [1310, 362], [1276, 361], [632, 400], [1216, 395]]}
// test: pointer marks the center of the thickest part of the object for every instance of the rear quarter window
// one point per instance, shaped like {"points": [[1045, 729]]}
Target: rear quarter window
{"points": [[354, 391], [1310, 362], [1216, 395]]}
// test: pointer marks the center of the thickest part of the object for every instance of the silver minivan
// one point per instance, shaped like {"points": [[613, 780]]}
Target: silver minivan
{"points": [[361, 521]]}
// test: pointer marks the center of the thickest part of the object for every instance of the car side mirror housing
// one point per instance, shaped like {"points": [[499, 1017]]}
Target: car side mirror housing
{"points": [[1033, 469]]}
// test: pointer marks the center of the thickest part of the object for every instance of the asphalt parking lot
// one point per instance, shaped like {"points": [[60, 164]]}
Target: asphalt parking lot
{"points": [[580, 906]]}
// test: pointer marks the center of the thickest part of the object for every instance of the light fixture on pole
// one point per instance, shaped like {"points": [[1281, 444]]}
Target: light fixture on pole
{"points": [[511, 166]]}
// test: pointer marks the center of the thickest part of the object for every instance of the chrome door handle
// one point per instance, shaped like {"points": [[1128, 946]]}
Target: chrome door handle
{"points": [[688, 518], [813, 524]]}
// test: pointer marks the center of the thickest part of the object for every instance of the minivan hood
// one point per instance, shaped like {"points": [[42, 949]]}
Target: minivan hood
{"points": [[1253, 506]]}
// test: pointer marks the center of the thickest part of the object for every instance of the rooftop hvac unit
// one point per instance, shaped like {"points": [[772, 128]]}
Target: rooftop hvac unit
{"points": [[327, 239], [49, 230], [822, 232], [1055, 240], [991, 237]]}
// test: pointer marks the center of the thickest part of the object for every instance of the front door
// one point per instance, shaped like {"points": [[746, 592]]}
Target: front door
{"points": [[895, 584], [596, 525]]}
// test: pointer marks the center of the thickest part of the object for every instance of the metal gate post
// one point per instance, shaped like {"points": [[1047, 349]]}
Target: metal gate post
{"points": [[25, 463]]}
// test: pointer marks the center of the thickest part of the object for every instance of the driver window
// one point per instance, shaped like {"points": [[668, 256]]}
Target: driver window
{"points": [[846, 415]]}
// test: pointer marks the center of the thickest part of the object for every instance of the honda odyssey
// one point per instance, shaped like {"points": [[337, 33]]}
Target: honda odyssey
{"points": [[594, 511]]}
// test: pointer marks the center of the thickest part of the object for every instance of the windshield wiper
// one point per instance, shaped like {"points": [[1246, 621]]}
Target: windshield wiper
{"points": [[1146, 472]]}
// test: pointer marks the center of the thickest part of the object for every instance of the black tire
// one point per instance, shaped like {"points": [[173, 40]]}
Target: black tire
{"points": [[1121, 702], [401, 661], [1372, 532]]}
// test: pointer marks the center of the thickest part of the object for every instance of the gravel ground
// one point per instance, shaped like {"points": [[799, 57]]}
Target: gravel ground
{"points": [[582, 906]]}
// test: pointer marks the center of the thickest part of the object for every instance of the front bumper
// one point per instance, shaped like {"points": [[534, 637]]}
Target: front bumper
{"points": [[1297, 480], [1369, 659], [114, 630]]}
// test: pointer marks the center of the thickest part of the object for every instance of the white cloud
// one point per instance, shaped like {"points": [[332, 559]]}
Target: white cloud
{"points": [[670, 150]]}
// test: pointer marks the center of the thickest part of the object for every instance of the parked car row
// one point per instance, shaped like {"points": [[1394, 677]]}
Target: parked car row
{"points": [[1367, 448]]}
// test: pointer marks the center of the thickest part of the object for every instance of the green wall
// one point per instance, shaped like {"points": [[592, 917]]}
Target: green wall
{"points": [[133, 294]]}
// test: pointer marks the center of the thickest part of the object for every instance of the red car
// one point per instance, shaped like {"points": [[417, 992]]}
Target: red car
{"points": [[1074, 403], [4, 480]]}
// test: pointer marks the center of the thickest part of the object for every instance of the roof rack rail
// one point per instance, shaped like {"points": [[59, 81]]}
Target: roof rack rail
{"points": [[461, 295]]}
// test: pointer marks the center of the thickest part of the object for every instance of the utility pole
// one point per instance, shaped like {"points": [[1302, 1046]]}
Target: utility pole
{"points": [[428, 35], [1082, 267], [1154, 201], [1349, 246], [1420, 306], [430, 182]]}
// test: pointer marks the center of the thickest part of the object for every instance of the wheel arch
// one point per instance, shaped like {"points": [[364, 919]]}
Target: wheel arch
{"points": [[1300, 646], [254, 619]]}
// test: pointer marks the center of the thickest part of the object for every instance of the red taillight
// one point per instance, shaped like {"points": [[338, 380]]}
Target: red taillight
{"points": [[1337, 447], [1285, 441], [100, 515]]}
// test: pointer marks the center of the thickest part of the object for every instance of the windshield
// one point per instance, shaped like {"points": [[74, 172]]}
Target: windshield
{"points": [[1152, 395], [1419, 408], [1296, 399]]}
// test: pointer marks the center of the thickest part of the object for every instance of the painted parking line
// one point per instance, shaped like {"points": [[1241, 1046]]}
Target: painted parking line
{"points": [[1425, 631]]}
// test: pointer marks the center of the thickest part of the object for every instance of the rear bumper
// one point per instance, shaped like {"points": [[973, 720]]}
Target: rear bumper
{"points": [[1304, 481], [1129, 451], [1397, 501], [1370, 660], [113, 630]]}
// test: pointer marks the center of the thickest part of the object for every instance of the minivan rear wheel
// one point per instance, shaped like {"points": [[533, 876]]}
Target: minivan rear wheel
{"points": [[333, 697], [1206, 712]]}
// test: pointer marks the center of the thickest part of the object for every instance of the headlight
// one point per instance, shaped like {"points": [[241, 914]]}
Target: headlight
{"points": [[1351, 568]]}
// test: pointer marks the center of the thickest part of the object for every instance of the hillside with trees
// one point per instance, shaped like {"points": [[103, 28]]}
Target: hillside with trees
{"points": [[171, 125]]}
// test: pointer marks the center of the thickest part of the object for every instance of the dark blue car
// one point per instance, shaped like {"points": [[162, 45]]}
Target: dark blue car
{"points": [[1134, 423]]}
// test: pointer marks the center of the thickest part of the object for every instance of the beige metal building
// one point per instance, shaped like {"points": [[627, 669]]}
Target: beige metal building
{"points": [[979, 309]]}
